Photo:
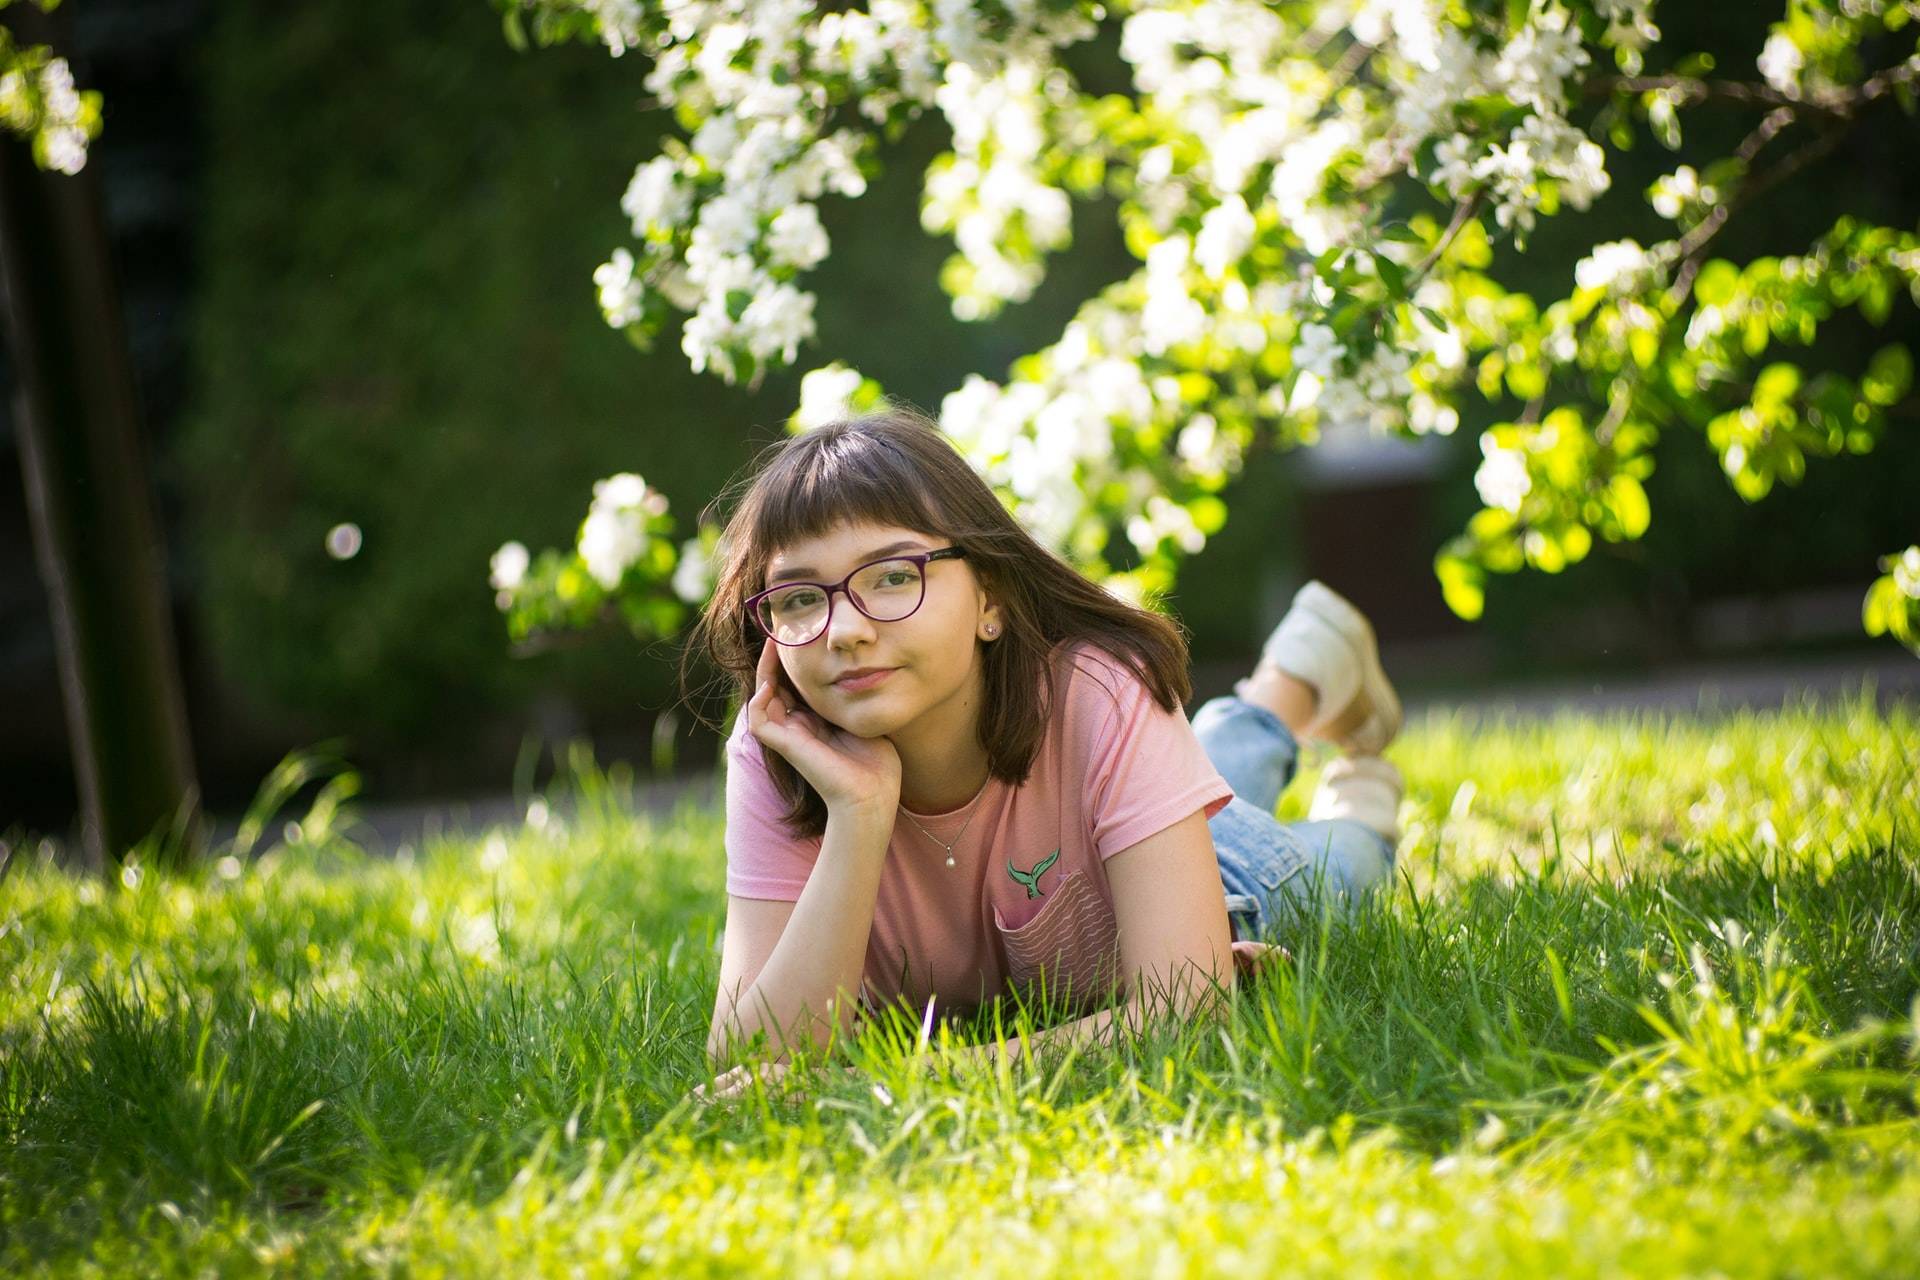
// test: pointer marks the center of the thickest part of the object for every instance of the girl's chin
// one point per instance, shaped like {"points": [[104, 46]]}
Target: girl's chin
{"points": [[867, 723], [867, 718]]}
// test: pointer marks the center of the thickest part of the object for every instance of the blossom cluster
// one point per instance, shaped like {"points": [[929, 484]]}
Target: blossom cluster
{"points": [[727, 221], [1272, 303], [614, 535], [1238, 164], [38, 100], [624, 558], [1545, 158]]}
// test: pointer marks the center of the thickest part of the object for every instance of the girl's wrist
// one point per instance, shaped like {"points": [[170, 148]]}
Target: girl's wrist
{"points": [[872, 817]]}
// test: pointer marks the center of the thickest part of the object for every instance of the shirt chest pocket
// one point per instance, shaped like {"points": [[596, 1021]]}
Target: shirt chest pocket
{"points": [[1070, 950]]}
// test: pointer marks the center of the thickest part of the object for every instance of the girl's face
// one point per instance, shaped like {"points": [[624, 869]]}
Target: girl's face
{"points": [[931, 658]]}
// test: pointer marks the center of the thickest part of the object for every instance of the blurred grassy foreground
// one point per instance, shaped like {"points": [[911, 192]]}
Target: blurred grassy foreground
{"points": [[1642, 1003]]}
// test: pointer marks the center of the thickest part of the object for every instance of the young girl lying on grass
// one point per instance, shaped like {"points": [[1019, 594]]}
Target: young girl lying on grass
{"points": [[962, 769]]}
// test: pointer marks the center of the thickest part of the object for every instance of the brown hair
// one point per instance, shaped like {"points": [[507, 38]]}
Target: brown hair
{"points": [[894, 467]]}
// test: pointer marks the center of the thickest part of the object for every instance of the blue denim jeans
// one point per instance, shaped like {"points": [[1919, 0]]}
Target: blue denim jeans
{"points": [[1270, 868]]}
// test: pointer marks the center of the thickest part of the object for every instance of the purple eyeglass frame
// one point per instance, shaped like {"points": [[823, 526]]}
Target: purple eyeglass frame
{"points": [[845, 586]]}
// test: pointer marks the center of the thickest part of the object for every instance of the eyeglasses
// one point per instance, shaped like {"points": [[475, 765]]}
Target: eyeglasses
{"points": [[796, 613]]}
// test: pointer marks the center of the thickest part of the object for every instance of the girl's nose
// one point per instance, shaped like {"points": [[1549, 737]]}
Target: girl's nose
{"points": [[847, 625]]}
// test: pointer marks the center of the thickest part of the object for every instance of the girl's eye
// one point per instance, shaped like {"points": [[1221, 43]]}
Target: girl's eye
{"points": [[897, 578]]}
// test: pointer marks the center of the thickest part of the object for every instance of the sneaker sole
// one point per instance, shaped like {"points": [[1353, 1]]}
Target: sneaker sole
{"points": [[1383, 725]]}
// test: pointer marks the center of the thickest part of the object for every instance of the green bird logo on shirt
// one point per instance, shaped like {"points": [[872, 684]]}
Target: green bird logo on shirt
{"points": [[1031, 879]]}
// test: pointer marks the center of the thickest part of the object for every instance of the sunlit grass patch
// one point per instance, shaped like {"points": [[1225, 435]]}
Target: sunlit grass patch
{"points": [[1641, 1002]]}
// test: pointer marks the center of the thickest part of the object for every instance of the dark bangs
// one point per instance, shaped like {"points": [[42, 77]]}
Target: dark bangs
{"points": [[816, 483]]}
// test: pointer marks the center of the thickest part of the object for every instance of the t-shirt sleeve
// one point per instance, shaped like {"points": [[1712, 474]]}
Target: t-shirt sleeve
{"points": [[1145, 768], [765, 859]]}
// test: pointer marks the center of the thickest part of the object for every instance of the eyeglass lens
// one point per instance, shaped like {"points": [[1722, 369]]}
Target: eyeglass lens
{"points": [[885, 591]]}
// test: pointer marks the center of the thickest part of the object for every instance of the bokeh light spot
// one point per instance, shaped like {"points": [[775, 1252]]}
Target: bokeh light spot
{"points": [[343, 541]]}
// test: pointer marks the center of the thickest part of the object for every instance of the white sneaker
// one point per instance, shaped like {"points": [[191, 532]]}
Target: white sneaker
{"points": [[1366, 789], [1329, 644]]}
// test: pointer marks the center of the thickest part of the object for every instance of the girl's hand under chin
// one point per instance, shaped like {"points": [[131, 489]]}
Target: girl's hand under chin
{"points": [[851, 773]]}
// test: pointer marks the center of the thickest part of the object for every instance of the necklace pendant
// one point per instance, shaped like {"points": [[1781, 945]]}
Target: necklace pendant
{"points": [[949, 859]]}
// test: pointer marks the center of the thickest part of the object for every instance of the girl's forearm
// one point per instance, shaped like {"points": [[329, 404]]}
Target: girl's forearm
{"points": [[1101, 1028], [807, 987]]}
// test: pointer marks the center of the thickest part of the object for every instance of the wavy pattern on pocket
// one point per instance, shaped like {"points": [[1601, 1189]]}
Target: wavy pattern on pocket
{"points": [[1072, 945]]}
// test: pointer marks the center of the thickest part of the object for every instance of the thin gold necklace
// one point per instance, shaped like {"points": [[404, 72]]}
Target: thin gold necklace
{"points": [[973, 807]]}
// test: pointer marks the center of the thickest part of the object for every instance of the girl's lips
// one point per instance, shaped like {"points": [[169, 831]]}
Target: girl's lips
{"points": [[856, 684]]}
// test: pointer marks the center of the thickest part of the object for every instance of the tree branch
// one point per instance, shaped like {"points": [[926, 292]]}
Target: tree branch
{"points": [[1462, 211], [1702, 234], [1840, 102]]}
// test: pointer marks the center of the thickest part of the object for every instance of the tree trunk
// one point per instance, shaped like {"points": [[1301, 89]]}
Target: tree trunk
{"points": [[76, 411]]}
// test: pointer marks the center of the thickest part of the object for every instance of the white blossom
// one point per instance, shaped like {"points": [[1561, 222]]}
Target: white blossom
{"points": [[704, 338], [59, 97], [1780, 62], [66, 148], [1450, 72], [620, 289], [715, 139], [851, 42], [1226, 233], [610, 541], [1680, 193], [507, 568], [62, 139], [778, 319], [656, 198], [619, 22], [693, 576], [726, 226], [1544, 146], [796, 237], [826, 395], [1317, 350], [1618, 265], [1171, 316], [1502, 478], [1454, 164], [1630, 29], [1162, 520], [1906, 573], [1534, 66]]}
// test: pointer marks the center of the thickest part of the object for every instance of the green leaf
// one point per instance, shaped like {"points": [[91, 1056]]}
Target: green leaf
{"points": [[1644, 345], [1717, 283], [1882, 605], [1461, 585], [1209, 513], [1628, 498], [1392, 274], [1889, 376], [1775, 385]]}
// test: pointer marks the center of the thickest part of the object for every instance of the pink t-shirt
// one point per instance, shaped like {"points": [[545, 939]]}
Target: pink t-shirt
{"points": [[1027, 898]]}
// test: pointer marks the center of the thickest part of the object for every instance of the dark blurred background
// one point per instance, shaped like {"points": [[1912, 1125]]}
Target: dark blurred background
{"points": [[355, 249]]}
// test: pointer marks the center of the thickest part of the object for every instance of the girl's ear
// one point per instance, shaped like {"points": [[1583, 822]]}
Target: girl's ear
{"points": [[992, 623]]}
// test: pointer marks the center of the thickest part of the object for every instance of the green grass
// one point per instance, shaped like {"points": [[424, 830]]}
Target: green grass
{"points": [[1643, 1002]]}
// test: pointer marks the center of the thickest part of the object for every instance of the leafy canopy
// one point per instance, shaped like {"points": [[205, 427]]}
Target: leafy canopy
{"points": [[1254, 161]]}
